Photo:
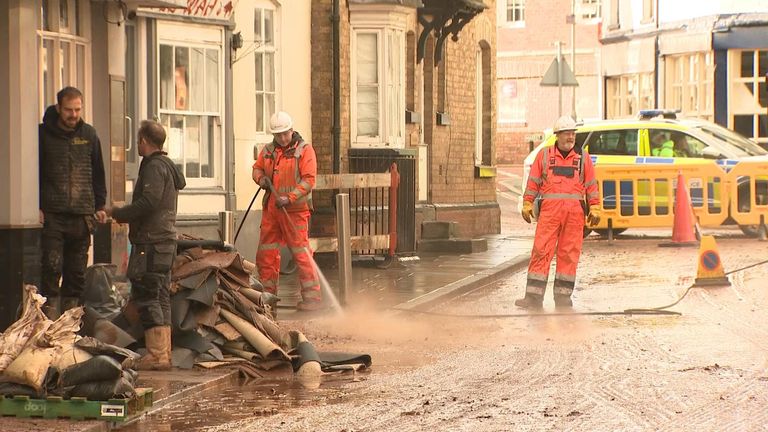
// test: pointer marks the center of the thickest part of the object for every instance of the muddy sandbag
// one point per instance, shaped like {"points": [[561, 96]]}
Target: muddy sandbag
{"points": [[95, 347], [13, 389], [69, 356], [103, 390], [31, 366], [99, 368], [32, 321]]}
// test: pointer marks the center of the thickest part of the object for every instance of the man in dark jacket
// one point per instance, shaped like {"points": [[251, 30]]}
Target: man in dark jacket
{"points": [[152, 231], [73, 192]]}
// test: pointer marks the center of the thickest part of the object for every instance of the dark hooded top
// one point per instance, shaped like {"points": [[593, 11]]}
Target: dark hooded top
{"points": [[152, 213], [71, 167]]}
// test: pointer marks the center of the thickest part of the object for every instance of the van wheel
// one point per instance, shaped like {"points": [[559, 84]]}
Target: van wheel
{"points": [[604, 232], [587, 231]]}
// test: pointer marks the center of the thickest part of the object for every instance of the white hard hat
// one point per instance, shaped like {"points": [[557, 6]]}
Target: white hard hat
{"points": [[280, 122], [564, 123]]}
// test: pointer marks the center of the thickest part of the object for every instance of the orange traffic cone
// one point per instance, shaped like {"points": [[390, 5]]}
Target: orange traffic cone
{"points": [[683, 233]]}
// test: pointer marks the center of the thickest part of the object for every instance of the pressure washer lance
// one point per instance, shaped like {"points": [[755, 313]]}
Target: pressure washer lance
{"points": [[323, 282], [245, 215]]}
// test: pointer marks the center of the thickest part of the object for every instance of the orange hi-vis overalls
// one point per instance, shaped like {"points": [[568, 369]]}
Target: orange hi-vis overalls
{"points": [[562, 183], [292, 170]]}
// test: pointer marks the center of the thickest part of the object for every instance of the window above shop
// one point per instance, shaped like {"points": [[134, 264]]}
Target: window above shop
{"points": [[63, 49], [511, 13], [265, 72], [378, 75]]}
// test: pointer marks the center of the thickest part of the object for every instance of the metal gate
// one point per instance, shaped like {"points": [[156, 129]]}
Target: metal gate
{"points": [[379, 161]]}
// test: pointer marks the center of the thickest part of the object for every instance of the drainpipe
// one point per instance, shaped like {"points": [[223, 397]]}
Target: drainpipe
{"points": [[335, 153]]}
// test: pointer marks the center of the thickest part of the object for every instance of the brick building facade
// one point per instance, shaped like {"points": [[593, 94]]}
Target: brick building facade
{"points": [[527, 36], [441, 113]]}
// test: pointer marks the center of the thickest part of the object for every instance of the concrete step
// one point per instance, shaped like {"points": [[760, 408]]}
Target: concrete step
{"points": [[454, 245], [431, 230]]}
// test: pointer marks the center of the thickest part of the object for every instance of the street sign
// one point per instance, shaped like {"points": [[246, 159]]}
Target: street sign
{"points": [[567, 78]]}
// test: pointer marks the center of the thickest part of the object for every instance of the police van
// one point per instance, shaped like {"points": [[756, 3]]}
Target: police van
{"points": [[658, 137]]}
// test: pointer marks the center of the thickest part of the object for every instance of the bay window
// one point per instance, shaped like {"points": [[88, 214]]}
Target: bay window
{"points": [[378, 92]]}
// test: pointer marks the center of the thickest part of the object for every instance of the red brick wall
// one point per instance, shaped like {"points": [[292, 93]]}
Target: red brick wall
{"points": [[451, 148], [525, 53]]}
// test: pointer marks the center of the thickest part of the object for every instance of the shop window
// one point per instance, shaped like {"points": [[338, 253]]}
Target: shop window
{"points": [[628, 94], [689, 80], [748, 93], [190, 107], [63, 49], [265, 68]]}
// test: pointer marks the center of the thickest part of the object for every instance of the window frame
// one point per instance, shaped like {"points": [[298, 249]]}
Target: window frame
{"points": [[630, 93], [504, 8], [391, 118], [590, 17], [263, 50], [686, 84], [207, 38], [69, 70], [757, 80]]}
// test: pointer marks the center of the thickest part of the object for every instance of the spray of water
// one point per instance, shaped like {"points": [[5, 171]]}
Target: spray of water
{"points": [[327, 290]]}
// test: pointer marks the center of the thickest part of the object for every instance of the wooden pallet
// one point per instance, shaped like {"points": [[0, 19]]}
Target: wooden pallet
{"points": [[77, 408]]}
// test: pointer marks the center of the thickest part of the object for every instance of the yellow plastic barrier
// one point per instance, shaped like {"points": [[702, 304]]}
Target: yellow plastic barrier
{"points": [[748, 192], [642, 196]]}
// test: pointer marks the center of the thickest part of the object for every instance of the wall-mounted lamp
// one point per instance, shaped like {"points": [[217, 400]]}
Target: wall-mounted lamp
{"points": [[237, 41]]}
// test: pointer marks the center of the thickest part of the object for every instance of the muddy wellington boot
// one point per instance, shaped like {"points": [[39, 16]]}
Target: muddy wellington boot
{"points": [[158, 343], [530, 301]]}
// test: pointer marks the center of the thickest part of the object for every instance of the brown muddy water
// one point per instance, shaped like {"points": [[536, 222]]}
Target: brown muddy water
{"points": [[264, 397]]}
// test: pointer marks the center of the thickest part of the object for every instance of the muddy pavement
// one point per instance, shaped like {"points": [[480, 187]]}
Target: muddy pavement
{"points": [[704, 370]]}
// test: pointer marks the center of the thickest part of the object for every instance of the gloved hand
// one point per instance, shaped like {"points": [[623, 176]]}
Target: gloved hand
{"points": [[527, 211], [593, 218], [282, 201], [264, 182]]}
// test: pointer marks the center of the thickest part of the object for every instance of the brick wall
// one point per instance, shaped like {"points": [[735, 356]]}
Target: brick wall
{"points": [[451, 148], [525, 54]]}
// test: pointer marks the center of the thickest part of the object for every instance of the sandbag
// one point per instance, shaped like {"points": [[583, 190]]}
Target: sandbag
{"points": [[13, 389], [103, 390], [99, 368], [31, 366], [124, 356], [32, 321], [69, 356]]}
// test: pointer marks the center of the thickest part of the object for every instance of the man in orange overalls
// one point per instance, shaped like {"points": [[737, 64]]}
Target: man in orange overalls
{"points": [[562, 176], [289, 163]]}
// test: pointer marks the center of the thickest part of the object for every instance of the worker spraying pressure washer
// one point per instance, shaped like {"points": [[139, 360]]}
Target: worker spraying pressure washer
{"points": [[286, 168], [562, 175]]}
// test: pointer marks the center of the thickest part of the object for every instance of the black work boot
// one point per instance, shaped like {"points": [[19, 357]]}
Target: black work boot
{"points": [[563, 301], [530, 301]]}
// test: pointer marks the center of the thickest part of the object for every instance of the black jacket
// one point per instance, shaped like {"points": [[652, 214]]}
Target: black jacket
{"points": [[152, 213], [71, 167]]}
